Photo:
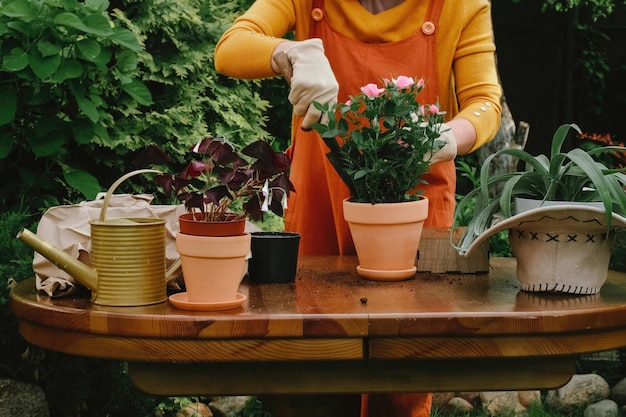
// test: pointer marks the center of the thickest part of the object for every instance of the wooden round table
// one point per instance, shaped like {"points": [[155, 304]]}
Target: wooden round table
{"points": [[333, 332]]}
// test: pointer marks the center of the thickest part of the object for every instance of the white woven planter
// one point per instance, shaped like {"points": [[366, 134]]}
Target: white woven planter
{"points": [[554, 256], [559, 248]]}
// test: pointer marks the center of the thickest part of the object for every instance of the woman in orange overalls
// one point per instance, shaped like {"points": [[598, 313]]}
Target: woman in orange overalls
{"points": [[341, 45]]}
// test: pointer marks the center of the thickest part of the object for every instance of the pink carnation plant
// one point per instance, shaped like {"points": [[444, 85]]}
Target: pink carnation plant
{"points": [[382, 139]]}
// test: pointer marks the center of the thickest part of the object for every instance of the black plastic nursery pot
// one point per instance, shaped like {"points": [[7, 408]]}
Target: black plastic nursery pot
{"points": [[274, 257]]}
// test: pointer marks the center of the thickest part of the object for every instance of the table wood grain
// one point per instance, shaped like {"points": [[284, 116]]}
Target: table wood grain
{"points": [[339, 333]]}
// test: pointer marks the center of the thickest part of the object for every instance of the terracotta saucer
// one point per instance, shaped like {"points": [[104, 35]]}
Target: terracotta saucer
{"points": [[180, 300]]}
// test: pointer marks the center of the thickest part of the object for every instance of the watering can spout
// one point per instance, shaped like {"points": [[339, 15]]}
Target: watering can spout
{"points": [[78, 270]]}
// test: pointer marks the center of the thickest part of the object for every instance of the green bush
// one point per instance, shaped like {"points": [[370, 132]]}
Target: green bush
{"points": [[83, 87], [15, 265], [190, 97], [87, 85], [66, 68]]}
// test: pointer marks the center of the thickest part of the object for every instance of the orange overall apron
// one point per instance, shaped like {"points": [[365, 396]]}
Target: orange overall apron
{"points": [[315, 209]]}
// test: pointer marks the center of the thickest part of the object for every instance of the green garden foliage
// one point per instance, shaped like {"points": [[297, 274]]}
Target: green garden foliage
{"points": [[597, 9], [467, 167], [66, 69], [191, 99], [84, 85]]}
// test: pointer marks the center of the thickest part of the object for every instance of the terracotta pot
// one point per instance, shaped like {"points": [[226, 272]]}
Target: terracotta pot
{"points": [[193, 224], [213, 267], [386, 237]]}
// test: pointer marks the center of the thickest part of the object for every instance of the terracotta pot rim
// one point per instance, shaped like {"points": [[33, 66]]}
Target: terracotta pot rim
{"points": [[419, 198], [219, 228], [403, 212], [231, 217]]}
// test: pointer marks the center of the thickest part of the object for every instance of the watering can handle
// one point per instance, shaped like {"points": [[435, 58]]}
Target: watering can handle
{"points": [[116, 184], [172, 269]]}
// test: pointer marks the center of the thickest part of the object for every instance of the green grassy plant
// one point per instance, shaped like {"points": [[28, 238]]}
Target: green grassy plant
{"points": [[468, 180], [562, 176]]}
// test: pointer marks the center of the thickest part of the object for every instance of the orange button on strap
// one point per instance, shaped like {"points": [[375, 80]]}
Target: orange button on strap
{"points": [[428, 28], [317, 14]]}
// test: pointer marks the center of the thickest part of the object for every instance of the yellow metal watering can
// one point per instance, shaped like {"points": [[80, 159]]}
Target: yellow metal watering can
{"points": [[128, 265]]}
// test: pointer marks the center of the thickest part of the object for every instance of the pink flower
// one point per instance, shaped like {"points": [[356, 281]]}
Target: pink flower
{"points": [[402, 143], [349, 103], [403, 82], [371, 90], [420, 83], [433, 109]]}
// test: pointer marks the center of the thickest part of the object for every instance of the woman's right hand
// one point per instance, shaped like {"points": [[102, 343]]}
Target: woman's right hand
{"points": [[310, 76]]}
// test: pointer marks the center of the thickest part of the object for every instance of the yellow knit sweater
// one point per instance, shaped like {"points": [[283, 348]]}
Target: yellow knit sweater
{"points": [[467, 73]]}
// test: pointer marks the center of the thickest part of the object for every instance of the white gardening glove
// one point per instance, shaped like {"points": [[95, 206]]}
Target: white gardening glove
{"points": [[448, 152], [312, 80]]}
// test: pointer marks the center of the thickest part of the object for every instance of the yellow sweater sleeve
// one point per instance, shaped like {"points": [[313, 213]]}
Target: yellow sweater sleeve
{"points": [[245, 49], [474, 78], [468, 82]]}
